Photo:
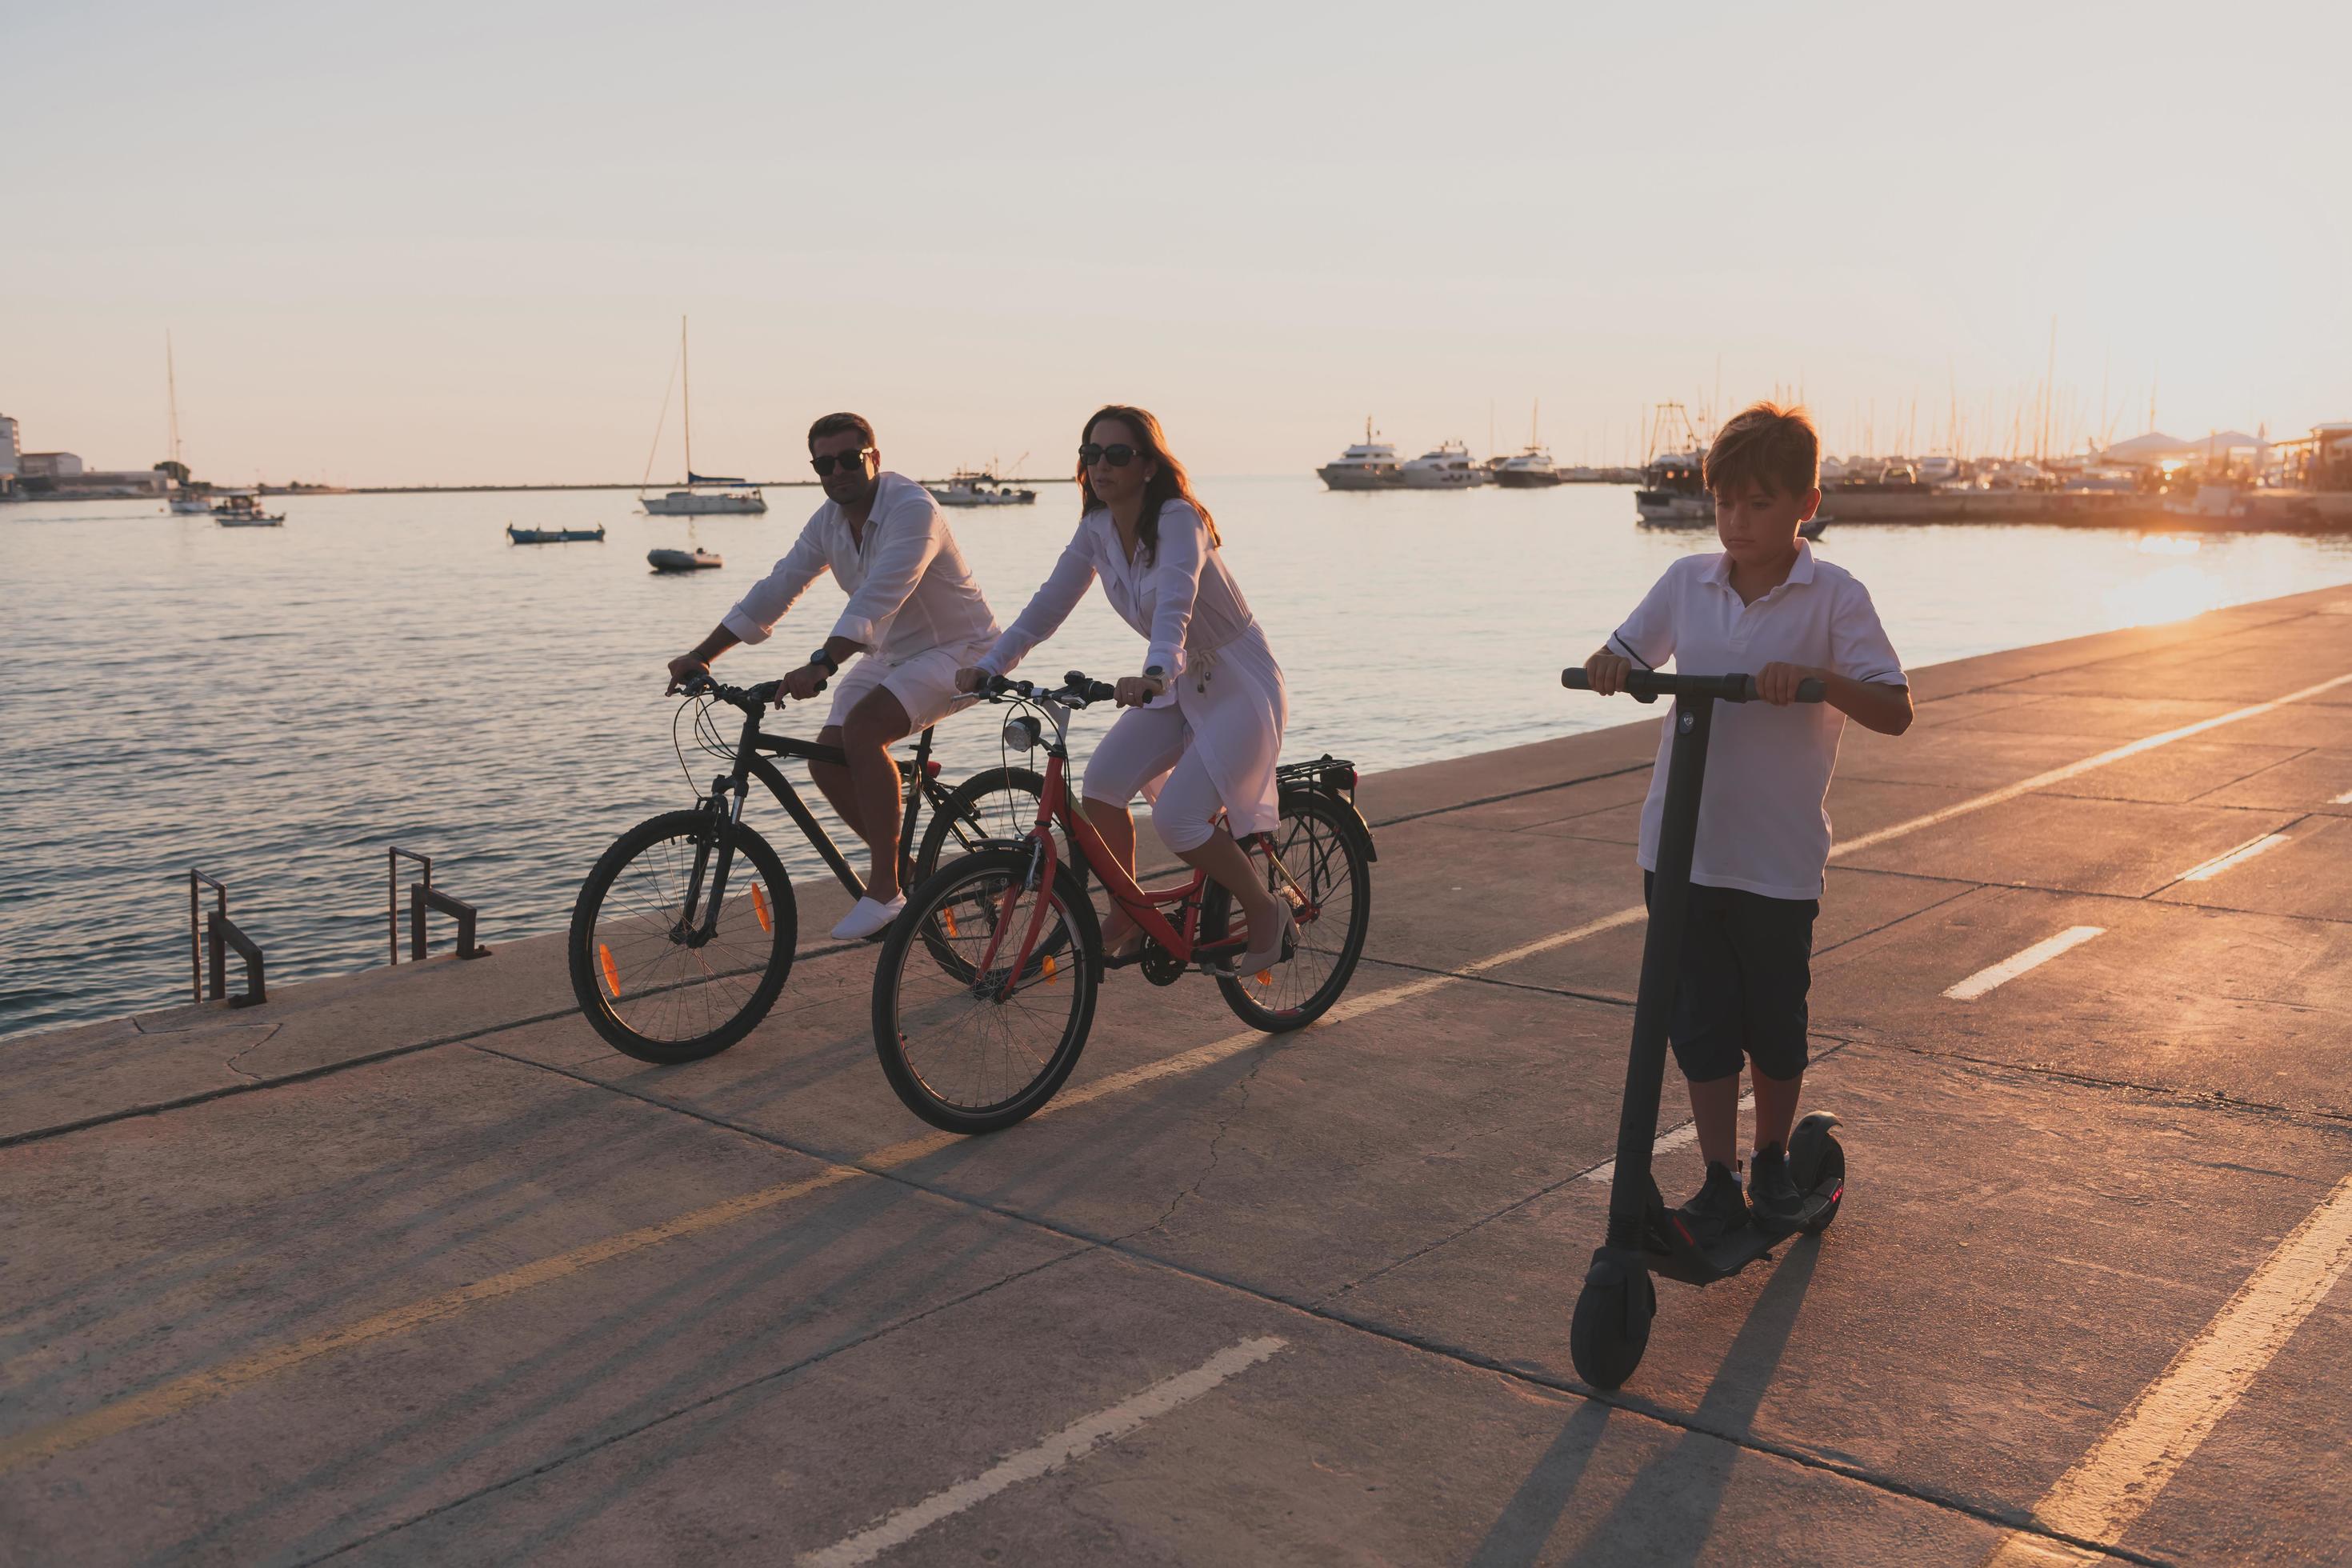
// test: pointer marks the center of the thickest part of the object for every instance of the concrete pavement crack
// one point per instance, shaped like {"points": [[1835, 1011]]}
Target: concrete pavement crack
{"points": [[1216, 1150]]}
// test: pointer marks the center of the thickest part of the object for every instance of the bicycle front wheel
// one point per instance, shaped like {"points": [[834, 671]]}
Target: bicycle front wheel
{"points": [[1318, 865], [974, 1034], [657, 977]]}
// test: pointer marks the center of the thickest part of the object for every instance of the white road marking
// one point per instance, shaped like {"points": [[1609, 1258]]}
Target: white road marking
{"points": [[1672, 1138], [2119, 1479], [2344, 799], [2238, 857], [1071, 1442], [2034, 957], [2075, 769]]}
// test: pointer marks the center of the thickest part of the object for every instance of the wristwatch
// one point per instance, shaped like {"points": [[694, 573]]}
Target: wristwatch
{"points": [[1157, 676], [825, 659]]}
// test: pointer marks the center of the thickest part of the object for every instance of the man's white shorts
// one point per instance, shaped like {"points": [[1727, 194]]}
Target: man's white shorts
{"points": [[924, 685]]}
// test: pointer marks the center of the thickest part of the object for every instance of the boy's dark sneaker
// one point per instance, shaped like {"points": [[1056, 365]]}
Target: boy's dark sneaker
{"points": [[1772, 1193], [1718, 1209]]}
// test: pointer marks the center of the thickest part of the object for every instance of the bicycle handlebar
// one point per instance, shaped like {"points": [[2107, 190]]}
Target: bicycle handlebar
{"points": [[1076, 691], [1648, 686], [750, 698]]}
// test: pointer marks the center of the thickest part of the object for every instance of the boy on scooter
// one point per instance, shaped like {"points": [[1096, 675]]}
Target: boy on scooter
{"points": [[1763, 604]]}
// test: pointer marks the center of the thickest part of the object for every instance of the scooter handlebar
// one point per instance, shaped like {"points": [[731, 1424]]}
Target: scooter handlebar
{"points": [[1648, 686]]}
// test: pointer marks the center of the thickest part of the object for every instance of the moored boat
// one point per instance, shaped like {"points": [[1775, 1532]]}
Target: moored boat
{"points": [[243, 511], [695, 560], [1531, 469], [691, 502], [1370, 465], [1445, 467], [978, 487], [555, 535], [1673, 495]]}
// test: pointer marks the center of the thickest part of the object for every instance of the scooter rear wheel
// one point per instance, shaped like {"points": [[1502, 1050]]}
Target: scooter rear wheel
{"points": [[1612, 1325], [1817, 1165]]}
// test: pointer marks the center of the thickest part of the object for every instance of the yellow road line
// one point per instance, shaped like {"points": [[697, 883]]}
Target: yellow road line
{"points": [[2120, 1477], [195, 1388]]}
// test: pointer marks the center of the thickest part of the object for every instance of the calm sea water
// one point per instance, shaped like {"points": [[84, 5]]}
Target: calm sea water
{"points": [[277, 706]]}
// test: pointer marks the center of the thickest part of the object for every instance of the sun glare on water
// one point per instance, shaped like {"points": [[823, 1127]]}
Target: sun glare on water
{"points": [[2167, 593]]}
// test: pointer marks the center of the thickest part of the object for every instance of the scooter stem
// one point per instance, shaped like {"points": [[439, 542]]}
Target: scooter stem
{"points": [[1646, 1066]]}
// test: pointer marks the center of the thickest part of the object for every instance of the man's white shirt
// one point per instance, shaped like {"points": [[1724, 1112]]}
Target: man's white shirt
{"points": [[909, 587], [1762, 824]]}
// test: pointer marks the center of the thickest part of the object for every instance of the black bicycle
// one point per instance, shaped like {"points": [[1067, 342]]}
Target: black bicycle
{"points": [[683, 934]]}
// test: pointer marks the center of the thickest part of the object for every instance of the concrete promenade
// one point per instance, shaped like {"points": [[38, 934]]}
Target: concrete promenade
{"points": [[407, 1266]]}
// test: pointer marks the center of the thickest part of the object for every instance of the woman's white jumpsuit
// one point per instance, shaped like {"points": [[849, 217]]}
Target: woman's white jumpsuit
{"points": [[1212, 740]]}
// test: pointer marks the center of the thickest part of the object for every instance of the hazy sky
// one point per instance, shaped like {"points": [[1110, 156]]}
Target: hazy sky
{"points": [[434, 242]]}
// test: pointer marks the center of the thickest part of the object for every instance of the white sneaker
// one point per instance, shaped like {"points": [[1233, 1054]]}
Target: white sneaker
{"points": [[866, 918]]}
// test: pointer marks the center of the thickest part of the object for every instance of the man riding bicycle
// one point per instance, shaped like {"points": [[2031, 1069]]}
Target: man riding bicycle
{"points": [[914, 612]]}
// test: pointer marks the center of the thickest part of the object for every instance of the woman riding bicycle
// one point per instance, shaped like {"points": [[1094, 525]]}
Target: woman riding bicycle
{"points": [[1203, 727]]}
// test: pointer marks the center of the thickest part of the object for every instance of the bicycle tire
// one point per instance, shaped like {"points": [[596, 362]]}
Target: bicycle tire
{"points": [[1314, 839], [977, 882], [657, 984], [965, 818]]}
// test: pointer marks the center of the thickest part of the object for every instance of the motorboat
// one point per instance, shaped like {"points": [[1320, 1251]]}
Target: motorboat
{"points": [[977, 487], [555, 535], [734, 497], [695, 560], [243, 511], [1445, 467], [1531, 469], [187, 505], [1673, 493], [1370, 465]]}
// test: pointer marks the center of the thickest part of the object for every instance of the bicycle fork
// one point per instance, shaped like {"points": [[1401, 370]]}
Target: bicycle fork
{"points": [[725, 809]]}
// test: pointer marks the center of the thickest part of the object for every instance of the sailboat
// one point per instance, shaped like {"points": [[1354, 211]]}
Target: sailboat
{"points": [[691, 502], [182, 500]]}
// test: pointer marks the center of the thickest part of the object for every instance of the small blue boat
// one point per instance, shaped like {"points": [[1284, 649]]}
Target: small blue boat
{"points": [[555, 535]]}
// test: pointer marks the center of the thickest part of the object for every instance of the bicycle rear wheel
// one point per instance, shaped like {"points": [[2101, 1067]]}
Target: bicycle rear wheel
{"points": [[1319, 863], [649, 978], [966, 1043]]}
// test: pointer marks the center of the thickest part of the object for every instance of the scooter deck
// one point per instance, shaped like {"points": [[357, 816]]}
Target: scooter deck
{"points": [[1668, 1251]]}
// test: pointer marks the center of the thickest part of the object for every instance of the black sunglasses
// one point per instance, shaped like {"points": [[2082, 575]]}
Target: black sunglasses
{"points": [[1094, 452], [847, 462]]}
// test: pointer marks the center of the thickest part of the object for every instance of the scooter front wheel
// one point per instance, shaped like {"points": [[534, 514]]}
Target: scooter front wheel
{"points": [[1612, 1325]]}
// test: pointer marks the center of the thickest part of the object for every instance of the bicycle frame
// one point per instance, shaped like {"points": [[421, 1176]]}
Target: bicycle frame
{"points": [[730, 790], [1140, 904]]}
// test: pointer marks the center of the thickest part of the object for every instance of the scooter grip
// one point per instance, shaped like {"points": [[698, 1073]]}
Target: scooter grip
{"points": [[1808, 690], [1575, 679]]}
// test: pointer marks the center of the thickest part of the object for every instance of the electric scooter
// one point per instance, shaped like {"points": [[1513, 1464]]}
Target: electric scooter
{"points": [[1611, 1326]]}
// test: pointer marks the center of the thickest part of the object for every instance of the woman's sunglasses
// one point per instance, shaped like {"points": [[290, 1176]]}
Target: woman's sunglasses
{"points": [[848, 462], [1094, 452]]}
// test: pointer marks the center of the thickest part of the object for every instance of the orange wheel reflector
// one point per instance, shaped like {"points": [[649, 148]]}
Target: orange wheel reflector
{"points": [[611, 971], [946, 918], [1049, 969], [759, 908], [1264, 977]]}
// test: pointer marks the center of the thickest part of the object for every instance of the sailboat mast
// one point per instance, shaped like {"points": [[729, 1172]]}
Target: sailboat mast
{"points": [[172, 395], [686, 391]]}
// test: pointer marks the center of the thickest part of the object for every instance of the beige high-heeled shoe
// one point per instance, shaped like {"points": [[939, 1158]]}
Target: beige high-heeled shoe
{"points": [[1285, 942]]}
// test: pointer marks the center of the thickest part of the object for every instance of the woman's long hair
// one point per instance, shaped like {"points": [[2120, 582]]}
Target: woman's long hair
{"points": [[1170, 483]]}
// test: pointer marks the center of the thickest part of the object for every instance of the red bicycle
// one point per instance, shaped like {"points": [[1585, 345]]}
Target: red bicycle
{"points": [[986, 986]]}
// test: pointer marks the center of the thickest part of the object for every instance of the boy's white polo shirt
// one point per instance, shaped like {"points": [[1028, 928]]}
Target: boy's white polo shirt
{"points": [[1762, 824]]}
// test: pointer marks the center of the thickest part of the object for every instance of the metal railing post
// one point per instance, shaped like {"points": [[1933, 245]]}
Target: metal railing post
{"points": [[424, 896]]}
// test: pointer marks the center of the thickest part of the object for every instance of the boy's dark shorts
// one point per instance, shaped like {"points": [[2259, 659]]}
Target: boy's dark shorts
{"points": [[1747, 964]]}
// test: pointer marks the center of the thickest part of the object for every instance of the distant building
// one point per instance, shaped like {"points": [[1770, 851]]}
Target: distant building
{"points": [[8, 451], [49, 466]]}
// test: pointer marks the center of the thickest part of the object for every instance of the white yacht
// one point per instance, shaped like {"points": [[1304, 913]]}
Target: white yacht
{"points": [[1445, 467], [1370, 465], [1531, 469], [692, 501], [978, 487]]}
